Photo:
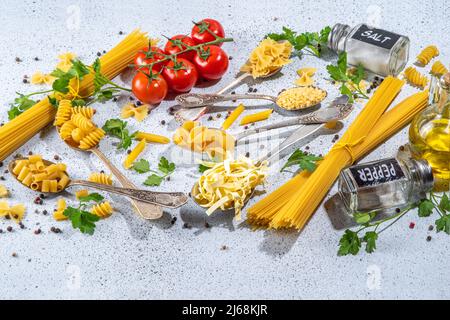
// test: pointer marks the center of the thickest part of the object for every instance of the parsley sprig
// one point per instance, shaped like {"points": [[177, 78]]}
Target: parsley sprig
{"points": [[23, 103], [310, 42], [81, 218], [165, 168], [352, 241], [118, 128], [305, 161], [349, 81]]}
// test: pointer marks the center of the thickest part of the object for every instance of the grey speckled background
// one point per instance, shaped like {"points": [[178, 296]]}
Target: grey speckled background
{"points": [[130, 258]]}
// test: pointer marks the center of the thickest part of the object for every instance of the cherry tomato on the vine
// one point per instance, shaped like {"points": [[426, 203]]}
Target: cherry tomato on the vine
{"points": [[200, 32], [177, 44], [148, 56], [180, 75], [211, 62], [149, 88]]}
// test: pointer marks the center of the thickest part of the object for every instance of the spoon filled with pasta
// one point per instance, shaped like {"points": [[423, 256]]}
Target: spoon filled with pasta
{"points": [[47, 177], [78, 131]]}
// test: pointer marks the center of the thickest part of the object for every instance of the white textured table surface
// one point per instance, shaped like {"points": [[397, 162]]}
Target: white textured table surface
{"points": [[131, 258]]}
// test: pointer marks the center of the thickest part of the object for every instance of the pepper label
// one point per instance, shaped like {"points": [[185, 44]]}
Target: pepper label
{"points": [[375, 173]]}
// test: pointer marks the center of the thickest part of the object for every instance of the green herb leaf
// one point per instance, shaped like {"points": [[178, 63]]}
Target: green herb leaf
{"points": [[96, 197], [304, 160], [78, 103], [79, 68], [443, 224], [349, 243], [83, 220], [425, 208], [370, 238], [61, 85], [202, 168], [21, 104], [117, 128], [153, 180], [53, 101], [363, 217], [141, 166], [165, 166], [444, 204]]}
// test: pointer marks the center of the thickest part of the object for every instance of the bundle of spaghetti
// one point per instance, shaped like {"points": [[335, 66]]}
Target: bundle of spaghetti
{"points": [[22, 128], [294, 202]]}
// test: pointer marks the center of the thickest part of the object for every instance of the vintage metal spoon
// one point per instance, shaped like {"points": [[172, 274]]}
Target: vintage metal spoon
{"points": [[145, 210], [164, 199], [194, 100]]}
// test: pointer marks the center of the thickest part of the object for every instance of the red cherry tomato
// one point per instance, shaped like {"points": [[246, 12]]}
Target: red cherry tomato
{"points": [[151, 89], [200, 32], [211, 62], [178, 43], [181, 75], [148, 56]]}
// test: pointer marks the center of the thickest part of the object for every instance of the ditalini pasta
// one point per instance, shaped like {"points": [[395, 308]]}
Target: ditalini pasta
{"points": [[255, 117], [151, 137], [233, 116], [267, 57], [438, 69], [415, 78], [427, 54], [15, 212], [100, 177], [134, 154], [58, 214], [103, 210], [291, 205], [39, 177], [130, 110], [18, 131]]}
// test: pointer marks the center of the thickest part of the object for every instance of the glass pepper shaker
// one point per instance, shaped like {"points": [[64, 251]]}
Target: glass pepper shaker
{"points": [[379, 51], [384, 184]]}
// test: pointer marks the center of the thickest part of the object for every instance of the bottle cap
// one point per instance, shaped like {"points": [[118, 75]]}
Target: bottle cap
{"points": [[425, 174], [445, 80]]}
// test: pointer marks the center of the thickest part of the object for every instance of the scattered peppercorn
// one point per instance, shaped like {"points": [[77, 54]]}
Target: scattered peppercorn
{"points": [[25, 81], [45, 212], [224, 247], [120, 32], [37, 231], [163, 122], [254, 89], [250, 89], [397, 210], [18, 59], [210, 118], [14, 255], [207, 225], [247, 154], [412, 225], [1, 164], [99, 54], [402, 148], [2, 178], [187, 226], [430, 228], [115, 99], [1, 230], [9, 229], [131, 98], [230, 58], [429, 238], [219, 116], [36, 59], [7, 217], [56, 157], [138, 103], [42, 196], [128, 151], [174, 219]]}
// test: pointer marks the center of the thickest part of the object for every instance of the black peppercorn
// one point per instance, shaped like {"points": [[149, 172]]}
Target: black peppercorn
{"points": [[429, 238], [163, 122], [10, 229], [37, 231]]}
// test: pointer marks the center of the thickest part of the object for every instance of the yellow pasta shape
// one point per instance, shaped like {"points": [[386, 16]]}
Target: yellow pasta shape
{"points": [[259, 116], [304, 80], [40, 78], [49, 186], [415, 78], [130, 110], [82, 122], [99, 177], [63, 182], [28, 180], [34, 158], [103, 210], [78, 135], [19, 165], [4, 192], [4, 208], [150, 137], [233, 116], [61, 205], [15, 212], [65, 132], [427, 54], [39, 166], [63, 113], [92, 139], [268, 56], [87, 112], [438, 69], [65, 61], [81, 193], [309, 71], [134, 154], [23, 173]]}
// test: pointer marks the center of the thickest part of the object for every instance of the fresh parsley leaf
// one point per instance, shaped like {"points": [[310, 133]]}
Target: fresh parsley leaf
{"points": [[153, 180], [370, 239], [165, 166], [444, 204], [61, 84], [304, 160], [349, 243], [78, 103], [21, 104], [363, 217], [79, 68], [425, 208], [83, 220], [96, 197], [202, 168], [141, 166], [53, 101], [443, 224], [117, 128]]}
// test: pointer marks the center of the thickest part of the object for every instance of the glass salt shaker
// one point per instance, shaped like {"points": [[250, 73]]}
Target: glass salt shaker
{"points": [[379, 51], [384, 184]]}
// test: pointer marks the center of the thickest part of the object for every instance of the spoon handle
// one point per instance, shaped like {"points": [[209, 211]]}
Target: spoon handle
{"points": [[164, 199], [145, 210], [194, 100]]}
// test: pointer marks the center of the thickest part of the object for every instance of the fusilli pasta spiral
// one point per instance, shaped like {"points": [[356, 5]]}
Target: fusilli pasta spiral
{"points": [[82, 122], [427, 54], [415, 78], [438, 69], [100, 177], [103, 210], [65, 132], [64, 112], [87, 112], [92, 139]]}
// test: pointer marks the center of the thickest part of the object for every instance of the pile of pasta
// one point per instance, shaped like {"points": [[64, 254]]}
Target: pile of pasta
{"points": [[76, 127], [195, 137], [38, 176], [15, 212], [267, 57], [301, 97], [228, 184]]}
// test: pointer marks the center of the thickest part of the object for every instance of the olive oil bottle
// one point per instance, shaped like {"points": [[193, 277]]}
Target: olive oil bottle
{"points": [[429, 133]]}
